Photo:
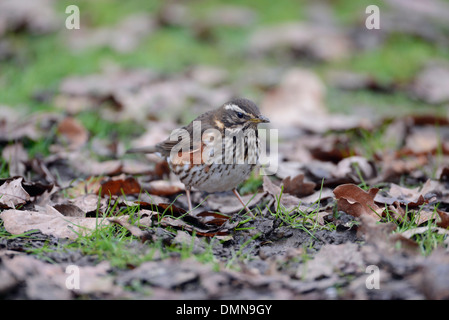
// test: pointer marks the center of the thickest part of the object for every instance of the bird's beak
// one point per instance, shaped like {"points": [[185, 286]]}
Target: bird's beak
{"points": [[260, 119]]}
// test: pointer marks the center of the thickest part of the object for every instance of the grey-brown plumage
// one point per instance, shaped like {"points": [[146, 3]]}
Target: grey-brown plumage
{"points": [[217, 150]]}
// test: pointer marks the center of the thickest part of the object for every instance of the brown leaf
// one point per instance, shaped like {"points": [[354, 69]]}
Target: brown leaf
{"points": [[73, 133], [163, 188], [119, 185], [357, 202], [444, 216], [169, 208], [397, 211], [212, 218], [297, 186]]}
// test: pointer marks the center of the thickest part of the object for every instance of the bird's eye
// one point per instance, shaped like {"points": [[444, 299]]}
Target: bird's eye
{"points": [[240, 115]]}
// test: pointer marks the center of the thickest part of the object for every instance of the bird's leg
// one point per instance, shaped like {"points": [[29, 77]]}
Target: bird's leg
{"points": [[188, 198], [241, 201]]}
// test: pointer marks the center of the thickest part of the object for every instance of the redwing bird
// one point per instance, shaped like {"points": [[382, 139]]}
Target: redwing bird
{"points": [[217, 151]]}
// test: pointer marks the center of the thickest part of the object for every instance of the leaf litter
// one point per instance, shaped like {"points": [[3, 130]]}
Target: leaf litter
{"points": [[326, 214]]}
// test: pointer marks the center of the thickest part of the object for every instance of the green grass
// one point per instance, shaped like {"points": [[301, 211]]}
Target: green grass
{"points": [[300, 219], [427, 241], [251, 185], [102, 128], [4, 169], [397, 61]]}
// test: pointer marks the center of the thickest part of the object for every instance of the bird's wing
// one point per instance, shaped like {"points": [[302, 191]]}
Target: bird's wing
{"points": [[186, 145]]}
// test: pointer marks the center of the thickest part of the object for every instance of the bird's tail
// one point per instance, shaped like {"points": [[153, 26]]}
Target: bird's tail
{"points": [[151, 149]]}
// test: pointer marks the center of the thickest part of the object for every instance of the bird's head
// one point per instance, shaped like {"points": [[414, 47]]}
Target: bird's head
{"points": [[240, 113]]}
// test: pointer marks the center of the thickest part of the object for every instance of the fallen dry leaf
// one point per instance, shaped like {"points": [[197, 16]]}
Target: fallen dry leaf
{"points": [[20, 129], [163, 188], [444, 216], [73, 133], [49, 221], [330, 259], [355, 166], [380, 235], [12, 193], [206, 224], [49, 281], [85, 187], [395, 166], [16, 156], [397, 212], [90, 202], [418, 196], [410, 197], [357, 202], [118, 186], [419, 230]]}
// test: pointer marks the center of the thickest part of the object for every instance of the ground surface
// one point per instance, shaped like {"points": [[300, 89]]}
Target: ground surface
{"points": [[356, 202]]}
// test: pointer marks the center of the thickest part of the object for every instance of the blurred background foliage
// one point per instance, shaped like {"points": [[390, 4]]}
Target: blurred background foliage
{"points": [[187, 33]]}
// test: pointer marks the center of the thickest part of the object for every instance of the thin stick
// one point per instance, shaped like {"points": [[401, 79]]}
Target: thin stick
{"points": [[188, 199], [241, 201]]}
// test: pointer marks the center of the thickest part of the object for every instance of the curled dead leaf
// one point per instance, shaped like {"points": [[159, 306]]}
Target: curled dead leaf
{"points": [[16, 156], [12, 193], [357, 202]]}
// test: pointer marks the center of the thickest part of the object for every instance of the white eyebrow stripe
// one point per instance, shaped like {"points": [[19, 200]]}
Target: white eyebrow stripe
{"points": [[235, 108]]}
